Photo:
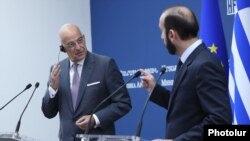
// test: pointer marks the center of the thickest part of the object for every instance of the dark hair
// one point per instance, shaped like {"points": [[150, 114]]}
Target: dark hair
{"points": [[184, 27]]}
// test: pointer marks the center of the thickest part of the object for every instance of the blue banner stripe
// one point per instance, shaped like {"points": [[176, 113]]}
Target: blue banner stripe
{"points": [[241, 113], [242, 44]]}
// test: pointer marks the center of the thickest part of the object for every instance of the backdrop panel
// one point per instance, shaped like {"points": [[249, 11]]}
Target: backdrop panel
{"points": [[128, 31]]}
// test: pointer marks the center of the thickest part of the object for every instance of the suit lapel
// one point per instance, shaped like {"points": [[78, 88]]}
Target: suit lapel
{"points": [[86, 72], [66, 82], [181, 74], [177, 82]]}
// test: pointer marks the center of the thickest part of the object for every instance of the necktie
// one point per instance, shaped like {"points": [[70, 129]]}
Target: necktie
{"points": [[75, 84], [178, 68], [179, 65]]}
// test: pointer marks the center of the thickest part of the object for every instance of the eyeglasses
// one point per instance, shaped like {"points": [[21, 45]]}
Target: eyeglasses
{"points": [[72, 44]]}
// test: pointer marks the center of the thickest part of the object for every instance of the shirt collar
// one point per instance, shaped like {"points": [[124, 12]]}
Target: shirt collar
{"points": [[189, 50], [79, 63]]}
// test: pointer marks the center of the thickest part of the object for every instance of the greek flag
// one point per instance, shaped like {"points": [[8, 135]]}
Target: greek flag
{"points": [[239, 64], [212, 32]]}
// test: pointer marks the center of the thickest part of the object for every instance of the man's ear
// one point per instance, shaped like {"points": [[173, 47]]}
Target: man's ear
{"points": [[171, 34]]}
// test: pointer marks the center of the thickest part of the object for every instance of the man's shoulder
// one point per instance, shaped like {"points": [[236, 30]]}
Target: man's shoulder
{"points": [[100, 56]]}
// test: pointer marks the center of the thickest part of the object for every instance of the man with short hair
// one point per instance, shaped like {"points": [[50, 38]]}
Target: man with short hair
{"points": [[199, 95]]}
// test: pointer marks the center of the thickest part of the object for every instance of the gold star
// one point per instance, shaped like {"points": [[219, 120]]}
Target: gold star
{"points": [[213, 48]]}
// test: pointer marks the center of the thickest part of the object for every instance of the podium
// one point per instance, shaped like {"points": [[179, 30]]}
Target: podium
{"points": [[8, 136], [85, 137]]}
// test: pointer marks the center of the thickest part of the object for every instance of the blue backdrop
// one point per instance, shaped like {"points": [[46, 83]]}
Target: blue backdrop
{"points": [[128, 31]]}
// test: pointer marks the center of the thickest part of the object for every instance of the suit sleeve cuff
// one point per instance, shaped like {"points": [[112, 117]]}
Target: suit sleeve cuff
{"points": [[52, 92], [97, 121]]}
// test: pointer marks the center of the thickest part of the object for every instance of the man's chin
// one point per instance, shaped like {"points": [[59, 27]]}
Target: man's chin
{"points": [[171, 52], [78, 58]]}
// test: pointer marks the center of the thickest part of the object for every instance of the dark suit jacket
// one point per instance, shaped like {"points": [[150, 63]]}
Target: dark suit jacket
{"points": [[96, 68], [199, 97]]}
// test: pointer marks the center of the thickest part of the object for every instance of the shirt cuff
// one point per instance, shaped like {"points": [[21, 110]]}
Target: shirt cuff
{"points": [[52, 92], [97, 121]]}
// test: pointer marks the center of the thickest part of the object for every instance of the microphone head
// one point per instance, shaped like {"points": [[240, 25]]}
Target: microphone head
{"points": [[37, 84], [163, 70], [138, 73], [28, 86]]}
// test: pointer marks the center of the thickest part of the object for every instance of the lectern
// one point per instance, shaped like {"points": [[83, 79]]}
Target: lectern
{"points": [[13, 137], [85, 137]]}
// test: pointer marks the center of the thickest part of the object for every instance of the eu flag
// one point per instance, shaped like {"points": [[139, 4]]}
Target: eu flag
{"points": [[239, 73], [212, 31]]}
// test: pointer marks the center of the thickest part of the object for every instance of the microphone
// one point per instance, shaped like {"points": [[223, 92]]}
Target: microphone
{"points": [[136, 74], [139, 126], [26, 88], [15, 135]]}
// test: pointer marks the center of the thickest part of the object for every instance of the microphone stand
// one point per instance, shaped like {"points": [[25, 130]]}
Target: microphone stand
{"points": [[139, 126], [16, 134], [26, 88]]}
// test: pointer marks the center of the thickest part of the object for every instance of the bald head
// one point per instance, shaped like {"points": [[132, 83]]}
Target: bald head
{"points": [[67, 30], [181, 19], [73, 42], [179, 11]]}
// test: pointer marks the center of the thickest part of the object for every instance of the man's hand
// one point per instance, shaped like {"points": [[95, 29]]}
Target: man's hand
{"points": [[54, 75], [83, 122], [147, 80]]}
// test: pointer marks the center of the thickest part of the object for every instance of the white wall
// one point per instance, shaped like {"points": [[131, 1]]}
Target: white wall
{"points": [[28, 47]]}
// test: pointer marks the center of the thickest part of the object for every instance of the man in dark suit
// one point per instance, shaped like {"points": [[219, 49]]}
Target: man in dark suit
{"points": [[199, 95], [78, 84]]}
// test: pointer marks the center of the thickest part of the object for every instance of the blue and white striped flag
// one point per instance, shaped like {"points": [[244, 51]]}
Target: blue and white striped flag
{"points": [[239, 64]]}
